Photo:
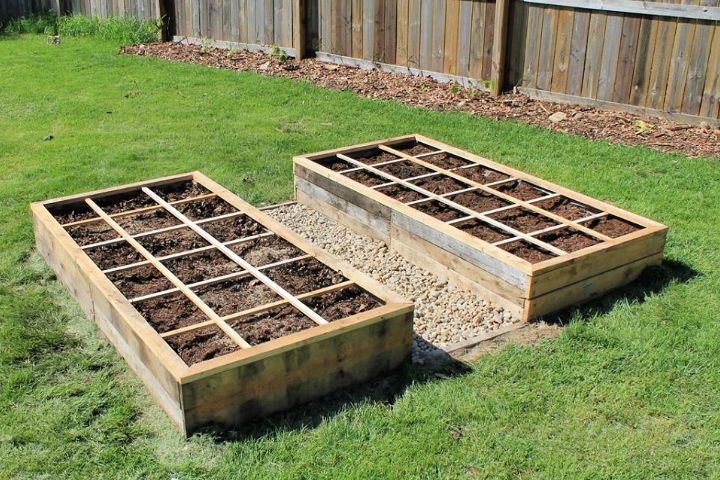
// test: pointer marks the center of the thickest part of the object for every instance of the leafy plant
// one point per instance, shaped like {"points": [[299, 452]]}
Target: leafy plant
{"points": [[123, 30], [278, 54], [41, 23]]}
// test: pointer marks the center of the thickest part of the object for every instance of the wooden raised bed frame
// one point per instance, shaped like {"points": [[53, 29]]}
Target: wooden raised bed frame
{"points": [[253, 380], [527, 289]]}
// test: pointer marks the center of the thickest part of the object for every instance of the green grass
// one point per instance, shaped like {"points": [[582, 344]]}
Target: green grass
{"points": [[630, 389]]}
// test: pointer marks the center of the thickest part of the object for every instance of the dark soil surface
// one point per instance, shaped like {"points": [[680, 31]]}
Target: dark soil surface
{"points": [[413, 148], [446, 160], [405, 169], [481, 174], [521, 190], [125, 202], [180, 191], [72, 212], [568, 240], [527, 251], [233, 228], [304, 276], [170, 312], [479, 201], [484, 231], [423, 92], [372, 156], [612, 226], [91, 232], [232, 296], [400, 193], [201, 266], [274, 323], [147, 221], [368, 179], [139, 281], [566, 208], [174, 241], [266, 250], [342, 303], [440, 184], [202, 344], [335, 164], [205, 208], [114, 255], [438, 210], [523, 219]]}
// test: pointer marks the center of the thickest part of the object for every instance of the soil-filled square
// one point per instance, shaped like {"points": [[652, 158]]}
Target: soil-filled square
{"points": [[440, 184], [568, 239], [372, 156], [233, 228], [174, 192], [446, 161], [523, 220], [304, 276], [481, 174], [404, 169], [170, 312], [202, 344], [266, 250], [172, 242], [611, 226], [205, 208], [439, 210], [116, 254], [201, 266], [566, 207], [483, 230], [274, 323], [401, 193], [413, 148], [233, 296], [368, 179], [479, 201], [139, 281], [125, 202], [91, 232], [521, 190], [147, 221], [527, 251], [342, 303]]}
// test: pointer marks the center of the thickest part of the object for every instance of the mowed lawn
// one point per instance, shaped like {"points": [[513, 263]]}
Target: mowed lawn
{"points": [[630, 389]]}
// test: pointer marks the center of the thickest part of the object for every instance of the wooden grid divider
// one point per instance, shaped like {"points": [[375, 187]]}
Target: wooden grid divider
{"points": [[170, 276], [239, 260], [462, 208]]}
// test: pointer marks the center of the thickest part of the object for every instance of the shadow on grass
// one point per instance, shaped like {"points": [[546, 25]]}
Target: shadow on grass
{"points": [[382, 391], [652, 280]]}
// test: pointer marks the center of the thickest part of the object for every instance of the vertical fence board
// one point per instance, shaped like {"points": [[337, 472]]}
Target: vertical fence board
{"points": [[477, 41], [643, 60], [532, 46], [438, 36], [610, 54], [325, 28], [488, 41], [426, 21], [464, 36], [679, 66], [403, 11], [547, 49], [626, 66], [710, 106], [414, 34], [390, 31], [697, 68], [578, 49], [357, 28], [379, 31], [516, 49], [596, 43], [368, 28], [661, 63], [566, 18], [452, 29]]}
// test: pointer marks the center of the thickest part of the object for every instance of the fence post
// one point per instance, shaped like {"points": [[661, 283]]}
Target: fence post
{"points": [[499, 45], [299, 28]]}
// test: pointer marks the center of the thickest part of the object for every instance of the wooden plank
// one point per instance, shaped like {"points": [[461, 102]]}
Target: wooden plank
{"points": [[357, 28], [622, 86], [477, 41], [414, 34], [269, 23], [334, 20], [578, 49], [516, 52], [347, 27], [679, 66], [390, 32], [697, 68], [663, 9], [610, 55], [488, 41], [561, 63], [661, 64], [499, 48], [710, 106], [369, 29], [547, 49], [593, 58], [643, 60], [379, 31], [438, 35], [403, 18], [532, 46], [426, 22], [452, 28], [464, 37]]}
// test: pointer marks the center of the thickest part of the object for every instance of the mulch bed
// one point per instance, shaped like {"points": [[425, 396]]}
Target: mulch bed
{"points": [[623, 128]]}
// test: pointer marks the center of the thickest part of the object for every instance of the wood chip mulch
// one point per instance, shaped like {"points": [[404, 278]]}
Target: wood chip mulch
{"points": [[596, 124]]}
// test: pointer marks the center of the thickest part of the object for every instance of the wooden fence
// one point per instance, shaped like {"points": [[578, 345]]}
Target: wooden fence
{"points": [[146, 9], [10, 9]]}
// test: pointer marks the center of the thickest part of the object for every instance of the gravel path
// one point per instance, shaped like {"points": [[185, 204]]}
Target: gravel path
{"points": [[444, 314]]}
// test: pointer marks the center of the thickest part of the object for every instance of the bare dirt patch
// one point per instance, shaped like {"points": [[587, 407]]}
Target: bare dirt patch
{"points": [[304, 276], [373, 156], [202, 344], [484, 231], [91, 232], [404, 169], [523, 220], [233, 296], [400, 193], [139, 281], [170, 312], [440, 184], [172, 242], [446, 160], [527, 251], [611, 226], [201, 266], [275, 323], [479, 201], [480, 174], [368, 179], [568, 239], [114, 255], [438, 210], [180, 191], [342, 303], [520, 189], [566, 208], [233, 228], [205, 208], [266, 250], [147, 221]]}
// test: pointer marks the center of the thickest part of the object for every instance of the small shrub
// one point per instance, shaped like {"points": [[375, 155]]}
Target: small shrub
{"points": [[44, 23]]}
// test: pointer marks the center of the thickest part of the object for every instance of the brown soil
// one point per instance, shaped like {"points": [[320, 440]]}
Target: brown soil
{"points": [[125, 202], [72, 212], [174, 241], [479, 201], [180, 191], [201, 266], [232, 296], [523, 219], [335, 164], [372, 156], [484, 231], [413, 148], [368, 179], [304, 276], [202, 344], [438, 210], [527, 251], [405, 169], [568, 239], [139, 281], [446, 160], [147, 221], [520, 189], [342, 303], [274, 323], [612, 226], [114, 255], [481, 174], [233, 228], [440, 184], [170, 312], [566, 208], [205, 208], [424, 92], [266, 250], [400, 193], [92, 232]]}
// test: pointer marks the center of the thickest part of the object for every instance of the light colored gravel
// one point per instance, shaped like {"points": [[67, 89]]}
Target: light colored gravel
{"points": [[444, 314]]}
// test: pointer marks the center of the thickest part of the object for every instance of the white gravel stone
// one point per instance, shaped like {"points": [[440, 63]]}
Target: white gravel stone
{"points": [[444, 314]]}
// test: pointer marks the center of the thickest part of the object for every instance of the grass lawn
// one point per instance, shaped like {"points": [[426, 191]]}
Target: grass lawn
{"points": [[630, 389]]}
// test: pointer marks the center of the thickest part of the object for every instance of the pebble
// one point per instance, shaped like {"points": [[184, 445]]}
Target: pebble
{"points": [[444, 313]]}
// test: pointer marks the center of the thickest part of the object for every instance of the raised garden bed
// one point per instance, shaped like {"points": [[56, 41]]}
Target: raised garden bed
{"points": [[223, 313], [531, 246]]}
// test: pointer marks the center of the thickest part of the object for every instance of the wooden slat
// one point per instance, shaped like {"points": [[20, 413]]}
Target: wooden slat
{"points": [[414, 34], [593, 58], [643, 60], [357, 28], [666, 8], [679, 66], [452, 28], [622, 85], [464, 37], [477, 41], [532, 48], [403, 18], [547, 49], [438, 35], [610, 55], [697, 68], [488, 41], [379, 31], [578, 49], [499, 46], [368, 29], [390, 32], [710, 106], [661, 63], [562, 50]]}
